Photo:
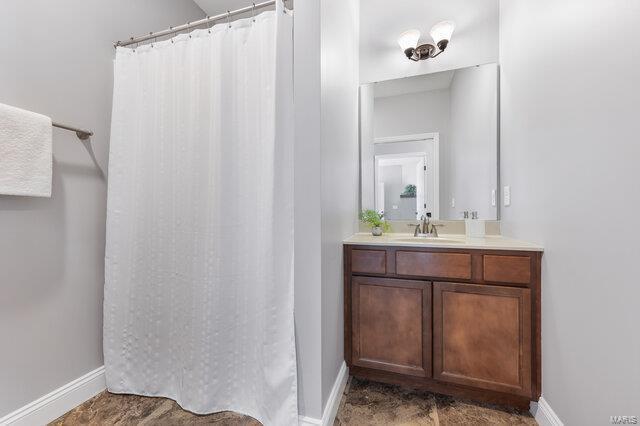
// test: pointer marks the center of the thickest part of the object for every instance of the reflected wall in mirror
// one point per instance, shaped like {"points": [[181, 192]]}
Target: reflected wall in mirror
{"points": [[429, 144]]}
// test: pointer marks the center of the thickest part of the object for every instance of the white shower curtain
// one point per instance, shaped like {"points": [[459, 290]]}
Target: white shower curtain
{"points": [[199, 293]]}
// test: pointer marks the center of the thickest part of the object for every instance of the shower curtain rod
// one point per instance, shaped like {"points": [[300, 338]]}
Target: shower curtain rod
{"points": [[188, 25]]}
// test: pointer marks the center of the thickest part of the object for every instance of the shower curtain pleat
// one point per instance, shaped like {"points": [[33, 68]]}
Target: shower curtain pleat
{"points": [[199, 258]]}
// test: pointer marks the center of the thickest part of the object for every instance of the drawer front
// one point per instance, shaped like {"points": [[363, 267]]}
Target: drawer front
{"points": [[369, 261], [437, 265], [507, 269]]}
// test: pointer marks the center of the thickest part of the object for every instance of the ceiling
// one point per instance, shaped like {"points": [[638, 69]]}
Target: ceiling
{"points": [[216, 7], [475, 40], [418, 83]]}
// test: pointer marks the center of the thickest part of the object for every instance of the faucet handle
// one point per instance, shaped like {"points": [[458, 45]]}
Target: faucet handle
{"points": [[416, 231], [434, 228]]}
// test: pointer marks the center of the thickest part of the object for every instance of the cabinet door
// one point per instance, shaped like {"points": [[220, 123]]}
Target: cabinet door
{"points": [[391, 325], [482, 336]]}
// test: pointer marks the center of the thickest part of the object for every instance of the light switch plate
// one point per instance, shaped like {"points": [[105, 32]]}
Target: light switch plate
{"points": [[493, 197], [507, 195], [453, 202]]}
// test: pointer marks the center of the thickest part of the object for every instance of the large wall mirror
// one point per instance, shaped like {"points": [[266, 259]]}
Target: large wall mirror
{"points": [[429, 144]]}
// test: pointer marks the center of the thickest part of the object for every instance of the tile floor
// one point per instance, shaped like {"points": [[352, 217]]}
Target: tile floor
{"points": [[363, 403], [370, 403]]}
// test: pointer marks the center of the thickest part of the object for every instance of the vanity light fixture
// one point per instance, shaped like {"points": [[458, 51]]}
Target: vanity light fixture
{"points": [[440, 33]]}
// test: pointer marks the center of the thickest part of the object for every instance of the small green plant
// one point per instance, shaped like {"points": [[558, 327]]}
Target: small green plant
{"points": [[409, 191], [374, 219]]}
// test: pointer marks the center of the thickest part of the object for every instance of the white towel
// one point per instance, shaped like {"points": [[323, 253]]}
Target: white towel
{"points": [[25, 153]]}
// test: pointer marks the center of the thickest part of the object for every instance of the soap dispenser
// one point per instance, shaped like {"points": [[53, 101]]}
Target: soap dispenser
{"points": [[467, 222], [474, 227]]}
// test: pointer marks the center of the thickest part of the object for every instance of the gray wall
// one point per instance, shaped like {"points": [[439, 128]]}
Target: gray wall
{"points": [[339, 168], [52, 250], [307, 207], [472, 148], [421, 112], [570, 154]]}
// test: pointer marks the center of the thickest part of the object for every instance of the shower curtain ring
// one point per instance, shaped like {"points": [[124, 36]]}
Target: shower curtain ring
{"points": [[229, 18], [253, 12], [209, 24]]}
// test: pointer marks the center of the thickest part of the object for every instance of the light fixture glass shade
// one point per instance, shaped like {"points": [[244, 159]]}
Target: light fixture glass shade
{"points": [[442, 31], [409, 39]]}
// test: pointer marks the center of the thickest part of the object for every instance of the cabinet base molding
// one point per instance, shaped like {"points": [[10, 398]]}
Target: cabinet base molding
{"points": [[431, 385]]}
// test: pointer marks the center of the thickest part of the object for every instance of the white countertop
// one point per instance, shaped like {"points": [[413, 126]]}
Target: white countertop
{"points": [[490, 242]]}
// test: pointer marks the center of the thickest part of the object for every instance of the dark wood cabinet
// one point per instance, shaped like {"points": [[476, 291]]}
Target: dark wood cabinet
{"points": [[482, 336], [392, 325], [463, 322]]}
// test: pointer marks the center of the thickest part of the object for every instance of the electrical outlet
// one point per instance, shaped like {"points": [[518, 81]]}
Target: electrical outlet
{"points": [[507, 195], [493, 197]]}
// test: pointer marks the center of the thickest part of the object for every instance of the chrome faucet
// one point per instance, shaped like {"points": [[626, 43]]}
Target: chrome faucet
{"points": [[425, 223], [426, 228]]}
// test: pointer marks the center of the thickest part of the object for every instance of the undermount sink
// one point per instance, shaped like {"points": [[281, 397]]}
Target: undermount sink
{"points": [[427, 240]]}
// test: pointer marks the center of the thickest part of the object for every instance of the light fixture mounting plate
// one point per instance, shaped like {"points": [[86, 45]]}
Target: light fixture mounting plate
{"points": [[425, 51]]}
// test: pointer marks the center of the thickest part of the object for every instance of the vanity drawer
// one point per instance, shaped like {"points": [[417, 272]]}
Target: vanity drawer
{"points": [[507, 269], [368, 261], [436, 265]]}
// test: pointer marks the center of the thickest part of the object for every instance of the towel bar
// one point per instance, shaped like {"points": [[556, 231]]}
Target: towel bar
{"points": [[81, 133]]}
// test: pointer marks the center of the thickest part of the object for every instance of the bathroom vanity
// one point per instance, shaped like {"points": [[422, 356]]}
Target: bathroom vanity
{"points": [[451, 315]]}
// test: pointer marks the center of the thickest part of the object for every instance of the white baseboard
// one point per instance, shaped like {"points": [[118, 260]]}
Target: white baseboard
{"points": [[333, 403], [544, 414], [308, 421], [54, 404]]}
